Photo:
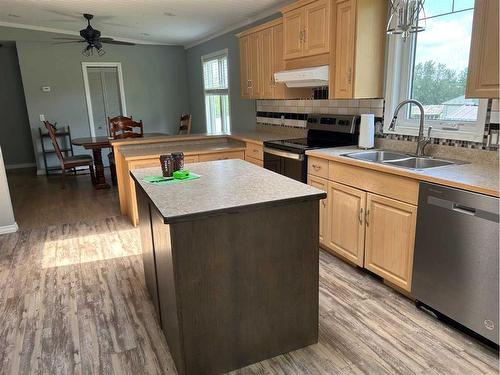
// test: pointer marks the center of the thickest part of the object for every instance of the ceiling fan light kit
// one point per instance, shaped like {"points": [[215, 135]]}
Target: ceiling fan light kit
{"points": [[93, 39]]}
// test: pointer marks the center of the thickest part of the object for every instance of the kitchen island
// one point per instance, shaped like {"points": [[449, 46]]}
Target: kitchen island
{"points": [[231, 263]]}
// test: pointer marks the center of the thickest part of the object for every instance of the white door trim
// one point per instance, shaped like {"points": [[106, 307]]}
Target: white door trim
{"points": [[86, 65]]}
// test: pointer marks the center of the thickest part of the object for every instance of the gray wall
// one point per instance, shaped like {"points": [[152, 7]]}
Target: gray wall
{"points": [[15, 138], [154, 80], [242, 110]]}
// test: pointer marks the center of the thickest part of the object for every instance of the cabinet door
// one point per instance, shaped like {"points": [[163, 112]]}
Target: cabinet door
{"points": [[317, 28], [245, 67], [278, 60], [267, 71], [345, 29], [346, 228], [293, 29], [390, 238], [483, 74], [255, 64], [322, 184]]}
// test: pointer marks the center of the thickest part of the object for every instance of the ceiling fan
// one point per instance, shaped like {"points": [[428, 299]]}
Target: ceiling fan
{"points": [[93, 39]]}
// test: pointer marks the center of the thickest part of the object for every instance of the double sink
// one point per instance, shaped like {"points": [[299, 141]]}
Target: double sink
{"points": [[397, 159]]}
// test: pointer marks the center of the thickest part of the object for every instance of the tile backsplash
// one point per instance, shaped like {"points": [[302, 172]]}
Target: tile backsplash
{"points": [[292, 114]]}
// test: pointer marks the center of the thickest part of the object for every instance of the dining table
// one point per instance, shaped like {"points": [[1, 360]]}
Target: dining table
{"points": [[96, 144]]}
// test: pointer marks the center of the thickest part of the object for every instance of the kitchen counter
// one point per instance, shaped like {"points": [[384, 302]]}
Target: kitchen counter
{"points": [[231, 185], [476, 177], [231, 264]]}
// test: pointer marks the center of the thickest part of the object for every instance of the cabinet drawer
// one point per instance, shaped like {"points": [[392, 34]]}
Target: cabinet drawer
{"points": [[222, 156], [397, 187], [254, 151], [317, 167], [146, 163], [258, 162]]}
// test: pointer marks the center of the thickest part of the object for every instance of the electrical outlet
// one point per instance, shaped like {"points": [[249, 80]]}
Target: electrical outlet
{"points": [[42, 117]]}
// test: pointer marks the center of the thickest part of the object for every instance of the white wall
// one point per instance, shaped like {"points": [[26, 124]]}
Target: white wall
{"points": [[7, 221]]}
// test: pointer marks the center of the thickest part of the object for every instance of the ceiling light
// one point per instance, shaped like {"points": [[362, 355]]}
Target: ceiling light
{"points": [[404, 17], [168, 14]]}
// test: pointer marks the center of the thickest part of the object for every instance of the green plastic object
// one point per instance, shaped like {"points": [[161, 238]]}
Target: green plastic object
{"points": [[160, 180], [181, 175]]}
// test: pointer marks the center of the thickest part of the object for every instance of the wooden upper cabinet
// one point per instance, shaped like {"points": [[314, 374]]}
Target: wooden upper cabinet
{"points": [[245, 67], [346, 230], [278, 61], [255, 62], [345, 20], [390, 239], [358, 49], [483, 74], [267, 67], [293, 30], [316, 35]]}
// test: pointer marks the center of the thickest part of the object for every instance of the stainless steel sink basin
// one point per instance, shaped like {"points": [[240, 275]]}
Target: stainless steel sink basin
{"points": [[419, 163], [377, 156], [398, 159]]}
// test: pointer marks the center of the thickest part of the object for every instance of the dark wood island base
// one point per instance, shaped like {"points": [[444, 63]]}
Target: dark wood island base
{"points": [[233, 289]]}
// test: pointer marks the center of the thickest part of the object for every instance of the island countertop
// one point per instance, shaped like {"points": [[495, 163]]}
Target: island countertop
{"points": [[225, 186]]}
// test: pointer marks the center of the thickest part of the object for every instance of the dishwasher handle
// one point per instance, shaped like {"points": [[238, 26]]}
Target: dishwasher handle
{"points": [[463, 209]]}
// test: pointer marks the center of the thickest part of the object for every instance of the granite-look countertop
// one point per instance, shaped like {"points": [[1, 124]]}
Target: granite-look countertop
{"points": [[203, 146], [476, 177], [224, 186]]}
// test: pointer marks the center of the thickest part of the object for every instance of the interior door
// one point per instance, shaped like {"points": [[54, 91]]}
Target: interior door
{"points": [[105, 96], [345, 27], [293, 27], [346, 228], [390, 239], [317, 28]]}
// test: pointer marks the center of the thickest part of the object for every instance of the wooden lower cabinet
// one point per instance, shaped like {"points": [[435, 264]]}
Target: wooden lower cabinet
{"points": [[390, 239], [345, 229], [222, 156], [322, 184], [257, 162]]}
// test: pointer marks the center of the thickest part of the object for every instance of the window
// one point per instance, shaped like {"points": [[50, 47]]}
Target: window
{"points": [[431, 67], [216, 88]]}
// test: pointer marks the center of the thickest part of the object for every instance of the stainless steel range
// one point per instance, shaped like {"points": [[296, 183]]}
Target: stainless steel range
{"points": [[288, 157]]}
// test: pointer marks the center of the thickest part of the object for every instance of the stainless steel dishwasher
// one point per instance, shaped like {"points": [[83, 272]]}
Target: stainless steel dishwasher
{"points": [[455, 268]]}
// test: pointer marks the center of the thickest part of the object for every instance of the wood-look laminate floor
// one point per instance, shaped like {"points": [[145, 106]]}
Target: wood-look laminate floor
{"points": [[73, 301], [39, 201]]}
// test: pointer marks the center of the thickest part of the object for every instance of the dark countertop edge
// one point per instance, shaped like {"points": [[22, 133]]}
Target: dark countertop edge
{"points": [[231, 210]]}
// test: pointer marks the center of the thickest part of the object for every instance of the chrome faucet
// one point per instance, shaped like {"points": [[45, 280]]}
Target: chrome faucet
{"points": [[422, 141]]}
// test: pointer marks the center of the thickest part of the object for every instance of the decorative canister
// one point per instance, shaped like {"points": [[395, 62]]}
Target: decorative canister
{"points": [[178, 160], [167, 165]]}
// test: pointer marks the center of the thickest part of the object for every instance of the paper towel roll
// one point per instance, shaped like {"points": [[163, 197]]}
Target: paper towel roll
{"points": [[367, 131]]}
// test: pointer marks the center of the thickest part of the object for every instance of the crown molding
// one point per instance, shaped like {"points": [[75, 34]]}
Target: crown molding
{"points": [[248, 21], [73, 33]]}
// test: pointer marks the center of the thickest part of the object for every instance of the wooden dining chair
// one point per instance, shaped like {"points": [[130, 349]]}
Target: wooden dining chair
{"points": [[69, 162], [121, 127], [185, 124]]}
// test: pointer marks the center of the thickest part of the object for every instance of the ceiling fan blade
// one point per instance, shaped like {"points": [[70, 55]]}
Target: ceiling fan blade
{"points": [[68, 42], [118, 42], [65, 38]]}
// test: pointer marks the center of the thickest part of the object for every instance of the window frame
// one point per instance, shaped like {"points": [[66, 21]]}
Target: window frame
{"points": [[400, 62], [226, 128]]}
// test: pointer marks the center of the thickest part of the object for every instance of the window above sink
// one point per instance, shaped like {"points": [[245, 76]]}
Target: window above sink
{"points": [[431, 67]]}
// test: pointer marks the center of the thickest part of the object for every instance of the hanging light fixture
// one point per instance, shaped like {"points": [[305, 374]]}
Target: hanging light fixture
{"points": [[404, 17]]}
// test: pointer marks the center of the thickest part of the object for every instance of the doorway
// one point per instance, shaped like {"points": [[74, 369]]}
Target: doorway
{"points": [[104, 93]]}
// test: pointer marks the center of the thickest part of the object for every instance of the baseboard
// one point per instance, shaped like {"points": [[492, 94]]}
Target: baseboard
{"points": [[9, 228], [19, 166]]}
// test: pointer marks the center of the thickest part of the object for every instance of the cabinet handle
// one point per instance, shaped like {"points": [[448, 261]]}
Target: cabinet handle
{"points": [[323, 203], [349, 75], [367, 217], [249, 83], [316, 167], [360, 216], [304, 35]]}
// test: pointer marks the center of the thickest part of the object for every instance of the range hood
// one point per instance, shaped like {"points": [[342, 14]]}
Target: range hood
{"points": [[308, 77]]}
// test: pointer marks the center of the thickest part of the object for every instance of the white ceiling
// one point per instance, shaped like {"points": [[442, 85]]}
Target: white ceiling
{"points": [[177, 22]]}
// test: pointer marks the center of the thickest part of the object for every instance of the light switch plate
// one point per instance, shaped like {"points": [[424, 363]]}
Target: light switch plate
{"points": [[42, 117], [46, 88]]}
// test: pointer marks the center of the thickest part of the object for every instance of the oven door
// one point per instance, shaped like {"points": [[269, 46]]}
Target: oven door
{"points": [[286, 163]]}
